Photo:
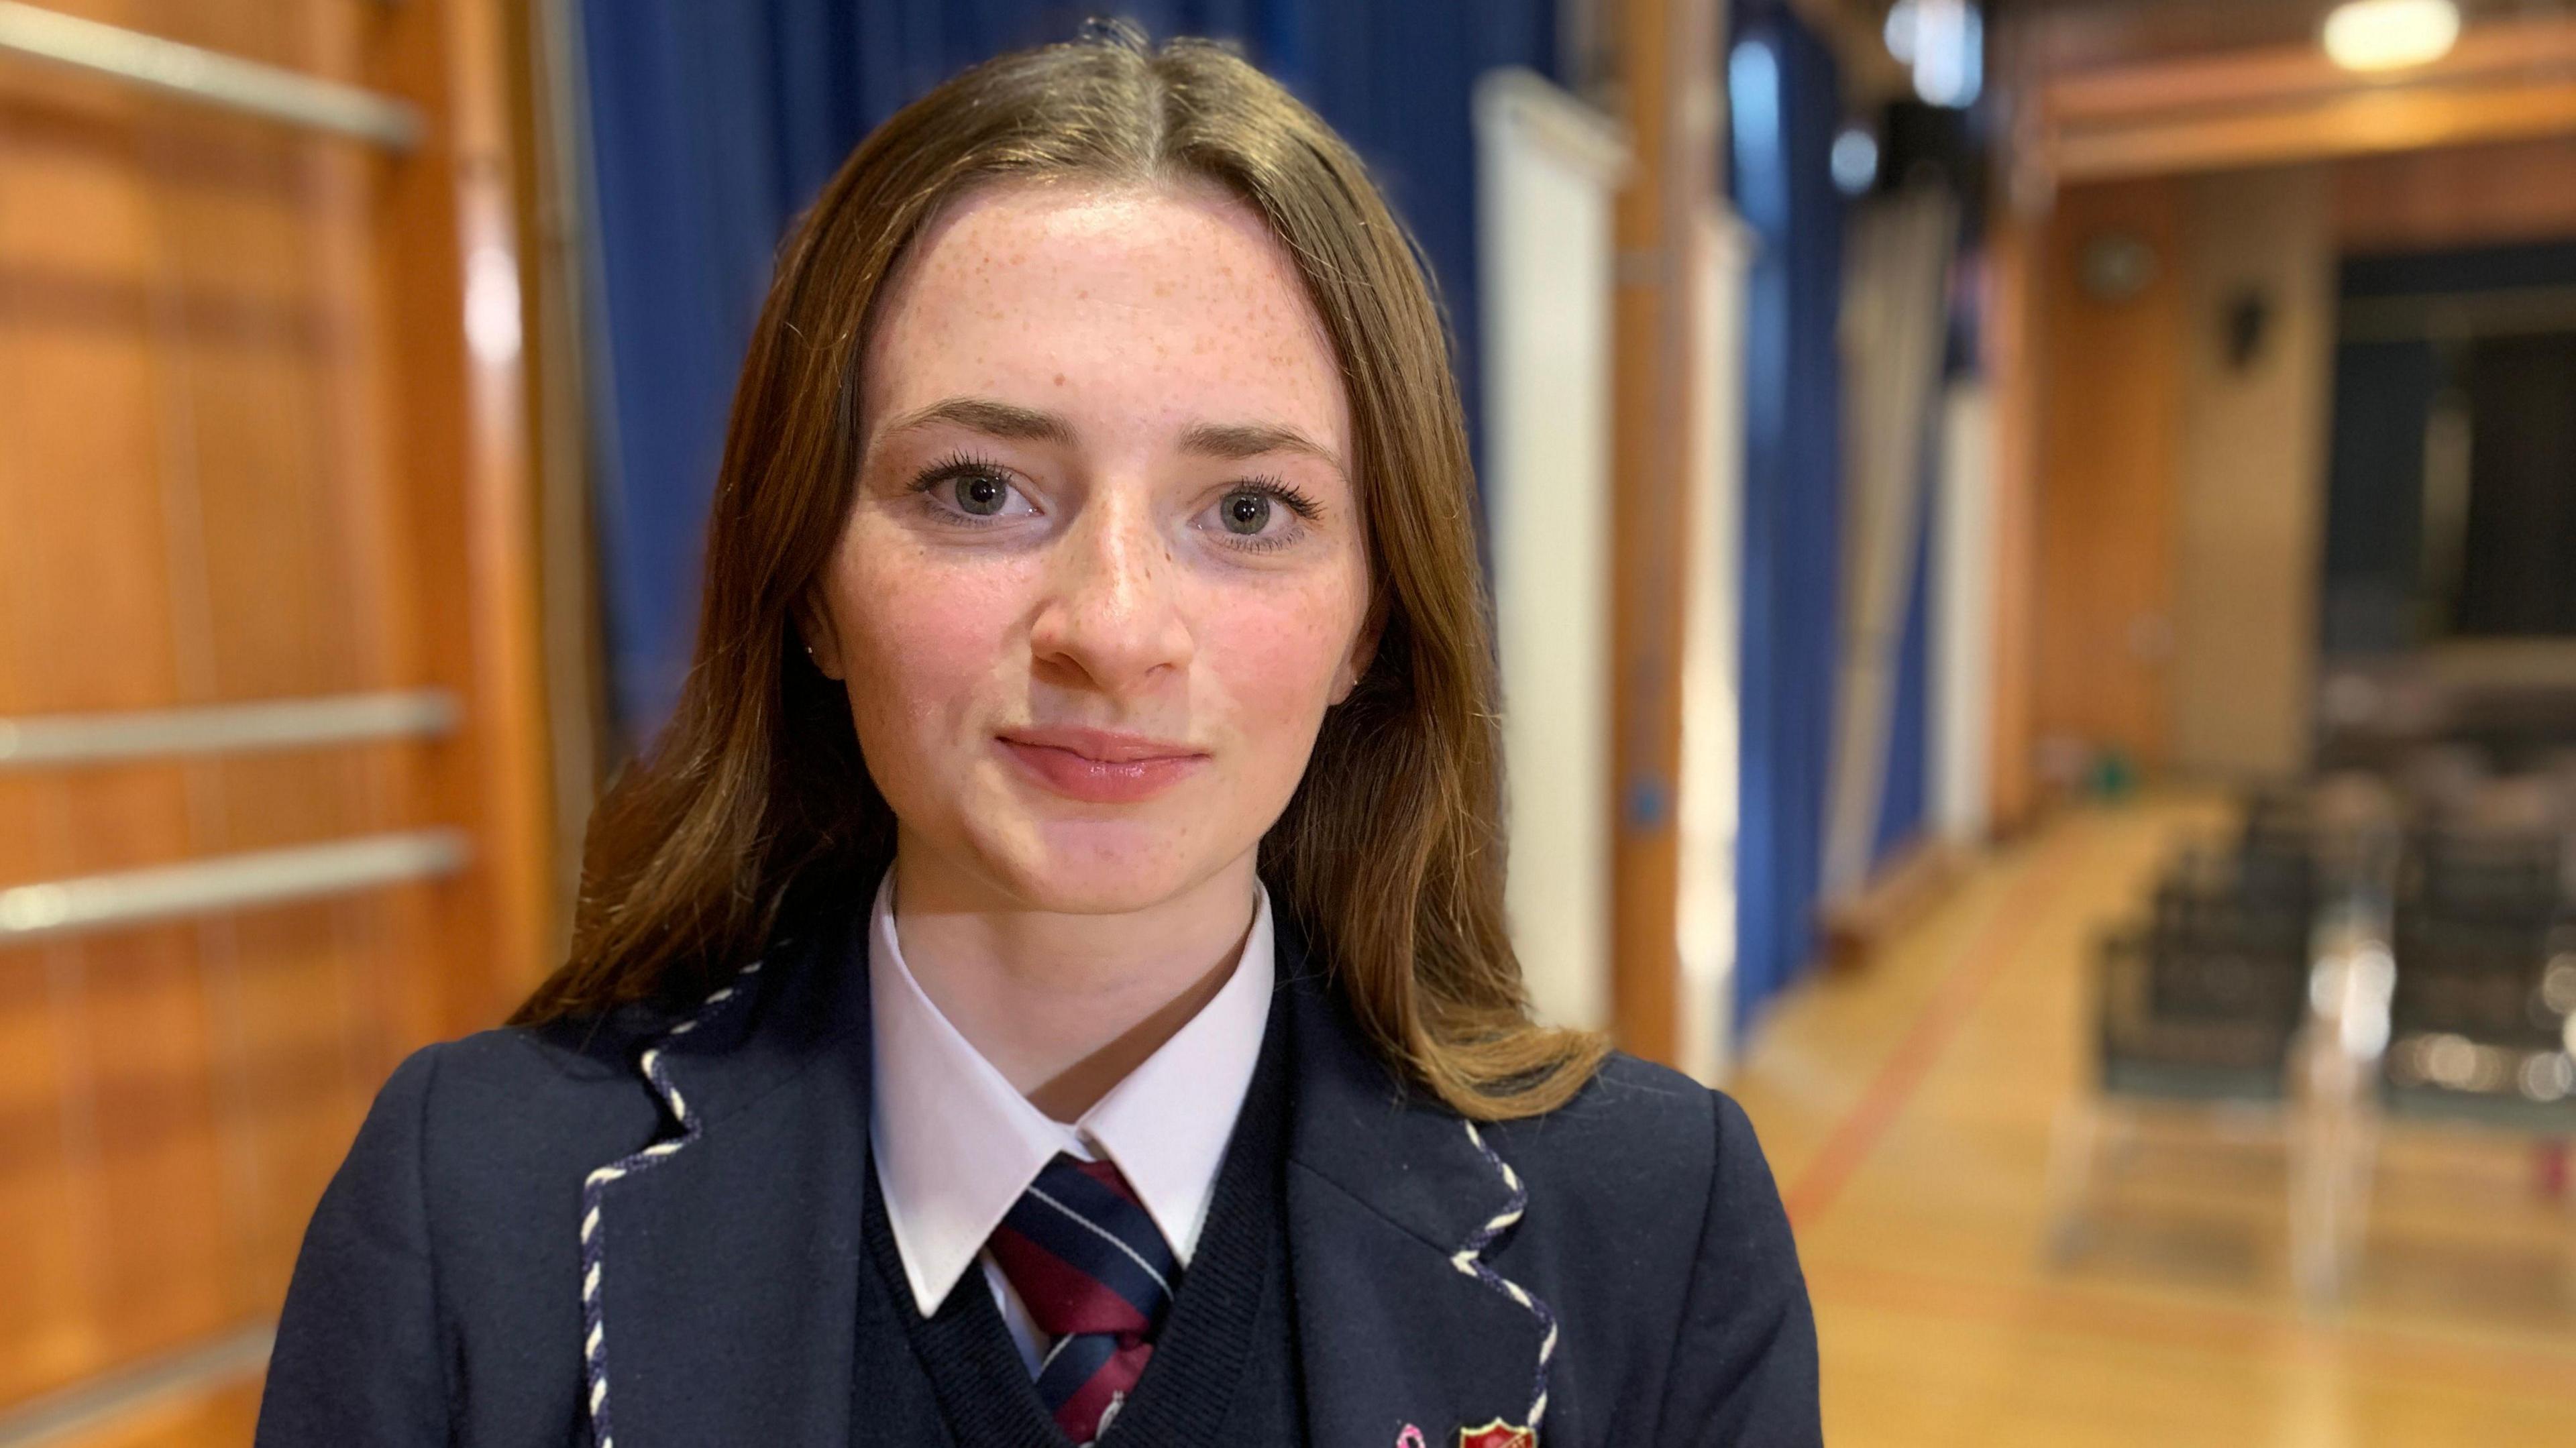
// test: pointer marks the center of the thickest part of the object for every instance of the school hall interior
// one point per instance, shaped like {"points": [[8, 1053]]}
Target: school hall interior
{"points": [[2033, 559]]}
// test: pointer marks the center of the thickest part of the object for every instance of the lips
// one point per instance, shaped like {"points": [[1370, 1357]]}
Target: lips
{"points": [[1098, 766]]}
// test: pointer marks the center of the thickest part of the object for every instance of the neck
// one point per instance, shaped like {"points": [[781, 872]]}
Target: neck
{"points": [[1063, 1005]]}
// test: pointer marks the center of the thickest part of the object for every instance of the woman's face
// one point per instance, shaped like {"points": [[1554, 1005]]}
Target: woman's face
{"points": [[1106, 568]]}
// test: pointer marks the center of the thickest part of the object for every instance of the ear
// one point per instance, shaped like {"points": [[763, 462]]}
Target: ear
{"points": [[813, 624], [1363, 652]]}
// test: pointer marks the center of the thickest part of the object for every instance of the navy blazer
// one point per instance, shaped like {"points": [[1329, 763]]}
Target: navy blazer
{"points": [[536, 1229]]}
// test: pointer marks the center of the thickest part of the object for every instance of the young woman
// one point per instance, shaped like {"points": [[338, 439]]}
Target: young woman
{"points": [[1050, 982]]}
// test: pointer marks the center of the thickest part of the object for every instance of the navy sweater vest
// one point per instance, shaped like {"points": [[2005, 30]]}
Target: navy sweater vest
{"points": [[1224, 1368]]}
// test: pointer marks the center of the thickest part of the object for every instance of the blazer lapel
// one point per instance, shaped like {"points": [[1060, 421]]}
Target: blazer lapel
{"points": [[1390, 1200], [720, 1263]]}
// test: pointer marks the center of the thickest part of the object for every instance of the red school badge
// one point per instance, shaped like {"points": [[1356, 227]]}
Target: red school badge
{"points": [[1497, 1434]]}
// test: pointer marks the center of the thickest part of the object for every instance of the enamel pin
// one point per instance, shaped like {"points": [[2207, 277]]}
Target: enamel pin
{"points": [[1497, 1434]]}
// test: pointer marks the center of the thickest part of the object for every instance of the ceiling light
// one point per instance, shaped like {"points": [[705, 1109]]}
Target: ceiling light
{"points": [[1855, 160], [2391, 34], [1899, 31], [1943, 43]]}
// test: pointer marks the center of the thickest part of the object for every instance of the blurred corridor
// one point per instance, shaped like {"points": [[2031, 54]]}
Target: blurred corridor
{"points": [[1912, 1115]]}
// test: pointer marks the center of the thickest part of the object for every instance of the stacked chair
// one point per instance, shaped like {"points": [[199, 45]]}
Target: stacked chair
{"points": [[2482, 1024], [2331, 966], [2199, 1001], [2326, 968], [2199, 1005]]}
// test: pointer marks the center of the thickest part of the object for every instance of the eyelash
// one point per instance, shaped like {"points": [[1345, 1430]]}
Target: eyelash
{"points": [[948, 470], [966, 465], [1279, 490], [1282, 491]]}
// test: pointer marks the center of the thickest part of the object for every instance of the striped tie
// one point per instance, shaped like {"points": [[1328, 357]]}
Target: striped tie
{"points": [[1096, 1275]]}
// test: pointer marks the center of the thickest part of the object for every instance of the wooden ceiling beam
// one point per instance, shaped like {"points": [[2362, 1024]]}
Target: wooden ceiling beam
{"points": [[2273, 75], [2283, 104], [2351, 125]]}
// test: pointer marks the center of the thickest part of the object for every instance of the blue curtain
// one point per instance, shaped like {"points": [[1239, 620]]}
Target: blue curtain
{"points": [[1783, 92], [1903, 798], [712, 125]]}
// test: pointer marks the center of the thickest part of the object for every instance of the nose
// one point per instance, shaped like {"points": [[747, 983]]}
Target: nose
{"points": [[1112, 614]]}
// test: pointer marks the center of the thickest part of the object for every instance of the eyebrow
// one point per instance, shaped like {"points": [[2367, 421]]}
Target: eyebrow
{"points": [[984, 415], [1237, 441], [1231, 441]]}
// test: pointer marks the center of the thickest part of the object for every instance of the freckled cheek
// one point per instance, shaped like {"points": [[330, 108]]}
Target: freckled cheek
{"points": [[1273, 661], [929, 645]]}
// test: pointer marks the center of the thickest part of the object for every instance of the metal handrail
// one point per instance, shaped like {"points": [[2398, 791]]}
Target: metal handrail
{"points": [[208, 77], [54, 740], [226, 883], [111, 1399]]}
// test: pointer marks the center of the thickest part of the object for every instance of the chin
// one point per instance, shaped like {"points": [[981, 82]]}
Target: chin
{"points": [[1097, 866], [1092, 883]]}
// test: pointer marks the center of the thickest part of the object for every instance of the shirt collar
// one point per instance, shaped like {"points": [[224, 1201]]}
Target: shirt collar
{"points": [[956, 1145]]}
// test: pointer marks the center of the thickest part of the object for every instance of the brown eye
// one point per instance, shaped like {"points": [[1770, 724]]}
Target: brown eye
{"points": [[981, 494], [1246, 513]]}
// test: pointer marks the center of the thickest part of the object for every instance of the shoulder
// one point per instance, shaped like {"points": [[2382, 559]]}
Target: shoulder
{"points": [[1653, 1213], [564, 1080], [1638, 1139], [480, 1130], [1647, 1171], [520, 1114], [1649, 1150], [442, 1248], [514, 1099]]}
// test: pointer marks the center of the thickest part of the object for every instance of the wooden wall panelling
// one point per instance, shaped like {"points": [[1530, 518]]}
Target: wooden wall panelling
{"points": [[246, 452], [42, 1313], [390, 938], [2249, 539], [458, 414], [273, 484], [268, 608], [399, 939], [2015, 262], [160, 1234], [2109, 438], [125, 1120], [2457, 197]]}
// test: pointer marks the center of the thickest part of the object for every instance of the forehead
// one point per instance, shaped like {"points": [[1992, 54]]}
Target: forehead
{"points": [[1138, 304]]}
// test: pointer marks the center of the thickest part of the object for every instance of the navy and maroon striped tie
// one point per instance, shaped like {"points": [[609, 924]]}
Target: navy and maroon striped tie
{"points": [[1096, 1275]]}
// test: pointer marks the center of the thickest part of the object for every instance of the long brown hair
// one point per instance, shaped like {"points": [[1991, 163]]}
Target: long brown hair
{"points": [[755, 803]]}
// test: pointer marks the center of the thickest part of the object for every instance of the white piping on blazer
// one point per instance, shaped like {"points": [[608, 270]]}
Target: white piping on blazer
{"points": [[593, 1196]]}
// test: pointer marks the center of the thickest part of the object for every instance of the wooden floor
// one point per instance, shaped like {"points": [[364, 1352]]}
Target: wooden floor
{"points": [[1907, 1109]]}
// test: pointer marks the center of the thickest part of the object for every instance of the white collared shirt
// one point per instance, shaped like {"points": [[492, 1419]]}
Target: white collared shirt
{"points": [[956, 1145]]}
